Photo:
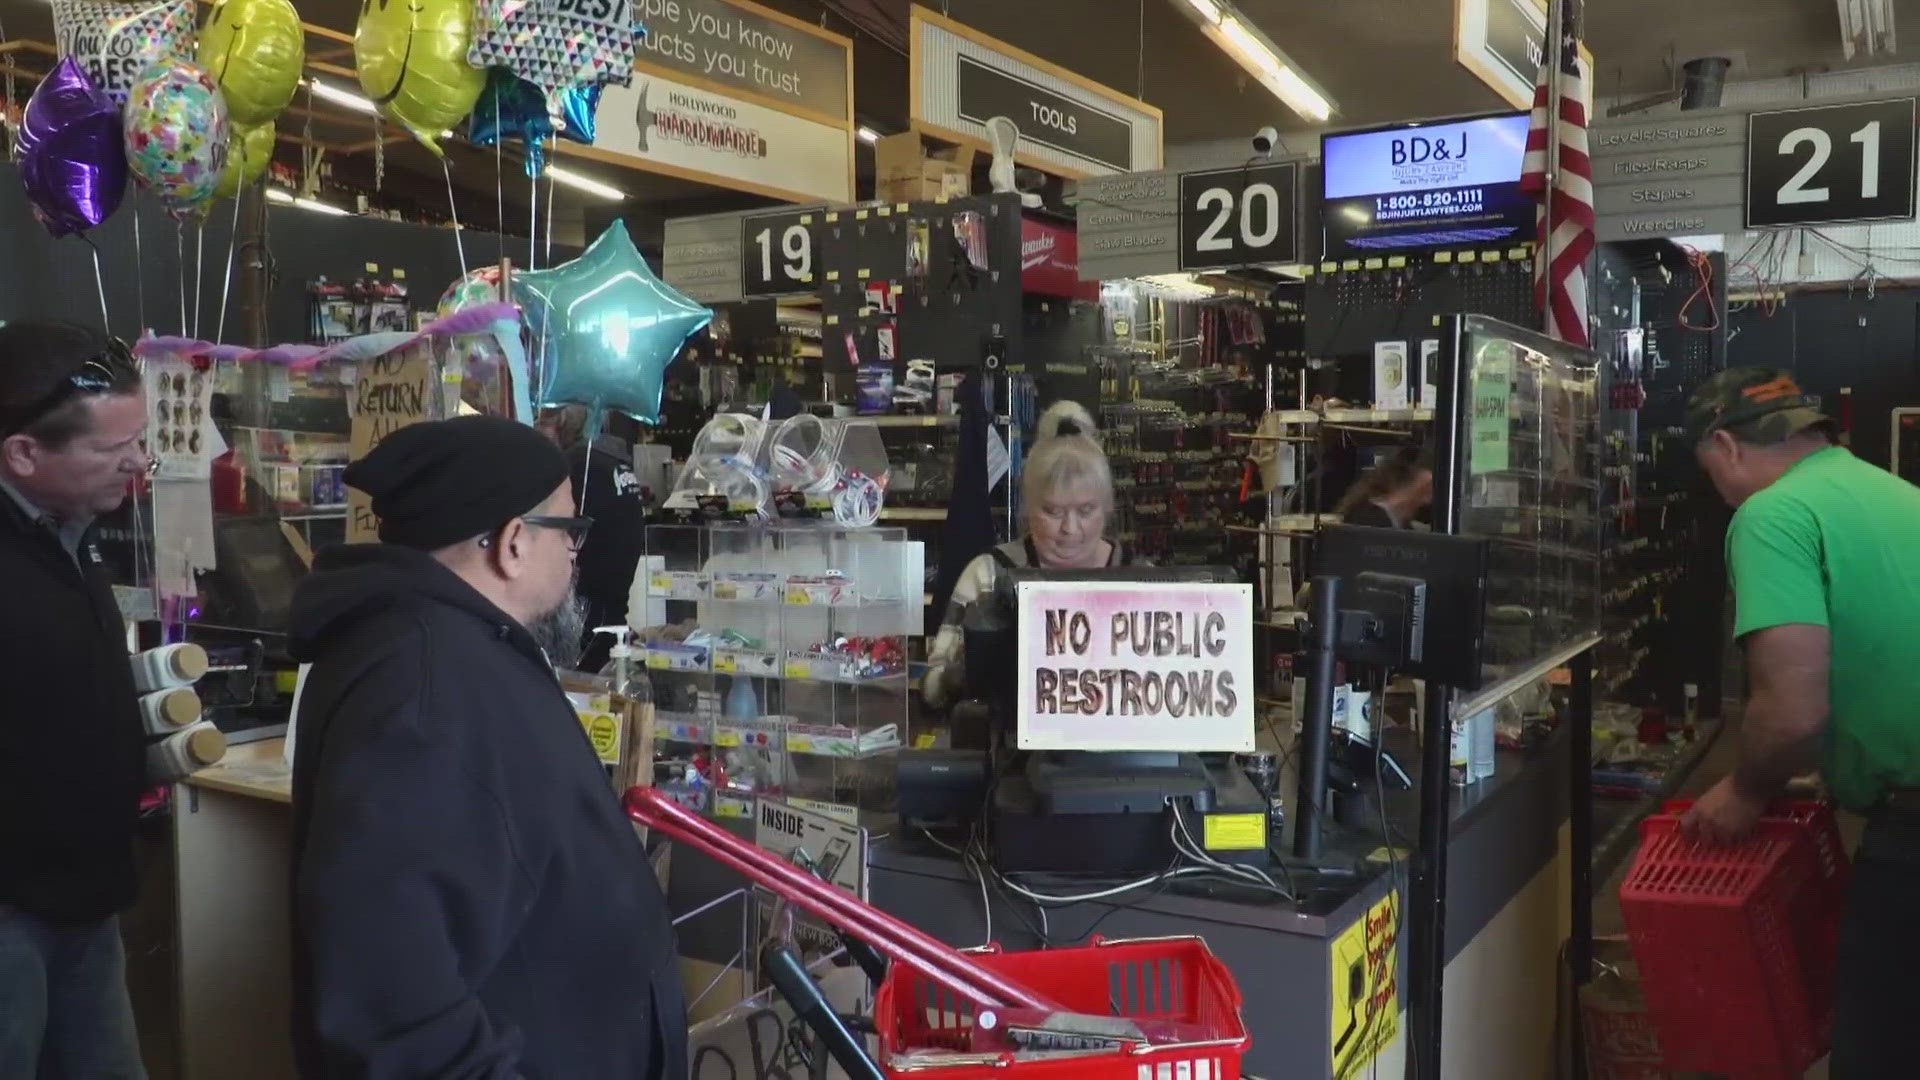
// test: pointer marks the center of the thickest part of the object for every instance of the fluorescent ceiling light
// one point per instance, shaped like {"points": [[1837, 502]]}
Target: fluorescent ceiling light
{"points": [[867, 134], [315, 205], [590, 186], [1208, 10], [346, 98], [1227, 28]]}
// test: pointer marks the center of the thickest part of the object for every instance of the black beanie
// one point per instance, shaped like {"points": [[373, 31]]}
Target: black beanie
{"points": [[444, 481]]}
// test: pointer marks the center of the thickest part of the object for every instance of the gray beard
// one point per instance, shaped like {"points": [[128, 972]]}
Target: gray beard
{"points": [[562, 632]]}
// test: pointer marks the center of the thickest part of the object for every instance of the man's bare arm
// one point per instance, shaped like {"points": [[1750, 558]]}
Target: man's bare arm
{"points": [[1787, 707]]}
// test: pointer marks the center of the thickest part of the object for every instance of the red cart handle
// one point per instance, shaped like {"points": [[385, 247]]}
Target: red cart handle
{"points": [[930, 957]]}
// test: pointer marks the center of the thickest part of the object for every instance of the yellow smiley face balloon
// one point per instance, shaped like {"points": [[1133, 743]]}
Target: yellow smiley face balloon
{"points": [[248, 155], [412, 60], [255, 50]]}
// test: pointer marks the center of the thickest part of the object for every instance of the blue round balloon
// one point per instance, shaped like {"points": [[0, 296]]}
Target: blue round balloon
{"points": [[604, 328], [512, 108]]}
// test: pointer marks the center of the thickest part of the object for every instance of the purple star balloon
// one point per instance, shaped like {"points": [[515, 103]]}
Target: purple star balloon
{"points": [[72, 159]]}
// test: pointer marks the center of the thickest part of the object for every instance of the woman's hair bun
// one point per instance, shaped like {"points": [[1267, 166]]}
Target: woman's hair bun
{"points": [[1067, 418]]}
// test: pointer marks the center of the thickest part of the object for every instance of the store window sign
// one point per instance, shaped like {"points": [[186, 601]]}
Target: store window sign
{"points": [[748, 48], [1044, 117], [1491, 427]]}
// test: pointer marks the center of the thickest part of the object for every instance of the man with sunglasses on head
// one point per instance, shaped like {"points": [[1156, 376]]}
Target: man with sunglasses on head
{"points": [[469, 898], [72, 752]]}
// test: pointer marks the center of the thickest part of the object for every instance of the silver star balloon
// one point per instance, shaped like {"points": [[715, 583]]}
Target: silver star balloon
{"points": [[605, 328]]}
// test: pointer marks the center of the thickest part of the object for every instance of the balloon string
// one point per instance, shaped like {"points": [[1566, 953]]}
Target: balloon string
{"points": [[550, 187], [499, 184], [180, 262], [140, 270], [533, 219], [233, 248], [453, 207], [99, 283], [199, 260]]}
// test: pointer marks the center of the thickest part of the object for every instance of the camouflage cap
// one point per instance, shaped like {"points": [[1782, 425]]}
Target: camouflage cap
{"points": [[1757, 403]]}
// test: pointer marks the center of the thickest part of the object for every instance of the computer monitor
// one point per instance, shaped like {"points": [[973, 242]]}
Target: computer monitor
{"points": [[1454, 569], [1121, 659]]}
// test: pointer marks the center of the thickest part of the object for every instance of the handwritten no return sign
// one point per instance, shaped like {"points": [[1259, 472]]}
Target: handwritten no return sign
{"points": [[1135, 666]]}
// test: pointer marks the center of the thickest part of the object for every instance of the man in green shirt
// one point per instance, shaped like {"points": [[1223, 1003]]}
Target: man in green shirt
{"points": [[1824, 553]]}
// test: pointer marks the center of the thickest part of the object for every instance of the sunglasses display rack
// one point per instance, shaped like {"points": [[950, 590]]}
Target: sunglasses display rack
{"points": [[777, 658]]}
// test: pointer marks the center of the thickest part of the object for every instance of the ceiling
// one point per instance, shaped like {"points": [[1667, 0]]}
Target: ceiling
{"points": [[1378, 60]]}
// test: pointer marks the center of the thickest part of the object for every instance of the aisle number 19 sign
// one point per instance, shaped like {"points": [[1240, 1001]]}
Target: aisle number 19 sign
{"points": [[777, 254], [1827, 164], [1240, 216]]}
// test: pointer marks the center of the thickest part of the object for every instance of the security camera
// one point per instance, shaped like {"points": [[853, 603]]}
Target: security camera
{"points": [[1265, 140]]}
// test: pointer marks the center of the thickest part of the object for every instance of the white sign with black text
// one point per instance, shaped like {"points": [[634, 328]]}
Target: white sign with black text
{"points": [[836, 849], [732, 143], [777, 253], [1112, 665], [1831, 164]]}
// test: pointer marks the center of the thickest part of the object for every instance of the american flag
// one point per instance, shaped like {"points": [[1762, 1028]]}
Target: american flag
{"points": [[1560, 270]]}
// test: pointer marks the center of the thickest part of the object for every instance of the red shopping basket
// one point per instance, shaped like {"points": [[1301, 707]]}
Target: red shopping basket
{"points": [[1736, 942], [923, 1027]]}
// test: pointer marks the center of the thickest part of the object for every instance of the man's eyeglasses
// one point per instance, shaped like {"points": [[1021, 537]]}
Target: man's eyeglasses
{"points": [[112, 368], [575, 527]]}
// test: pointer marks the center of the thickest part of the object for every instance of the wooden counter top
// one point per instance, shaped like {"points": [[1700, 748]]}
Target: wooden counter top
{"points": [[255, 769]]}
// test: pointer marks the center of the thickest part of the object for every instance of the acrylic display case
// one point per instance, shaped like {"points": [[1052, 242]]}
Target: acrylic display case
{"points": [[1524, 465], [777, 657]]}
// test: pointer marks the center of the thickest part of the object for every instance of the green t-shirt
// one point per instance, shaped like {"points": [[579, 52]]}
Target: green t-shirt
{"points": [[1835, 542]]}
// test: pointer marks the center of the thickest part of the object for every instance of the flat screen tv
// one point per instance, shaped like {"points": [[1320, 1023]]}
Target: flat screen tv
{"points": [[1414, 187]]}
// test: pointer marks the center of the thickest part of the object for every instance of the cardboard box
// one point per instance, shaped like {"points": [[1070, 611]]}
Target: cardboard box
{"points": [[905, 170], [1621, 1042]]}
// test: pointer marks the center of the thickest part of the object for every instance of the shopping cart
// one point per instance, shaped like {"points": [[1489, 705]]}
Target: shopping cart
{"points": [[1110, 1009]]}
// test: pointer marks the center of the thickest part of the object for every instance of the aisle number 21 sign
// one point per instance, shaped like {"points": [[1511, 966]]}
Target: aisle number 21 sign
{"points": [[1828, 164]]}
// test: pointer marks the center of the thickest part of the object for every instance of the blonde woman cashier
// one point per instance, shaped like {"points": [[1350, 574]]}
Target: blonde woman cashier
{"points": [[1066, 497]]}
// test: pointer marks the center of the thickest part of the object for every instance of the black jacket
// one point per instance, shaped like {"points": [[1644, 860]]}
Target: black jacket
{"points": [[470, 901], [618, 537], [72, 753]]}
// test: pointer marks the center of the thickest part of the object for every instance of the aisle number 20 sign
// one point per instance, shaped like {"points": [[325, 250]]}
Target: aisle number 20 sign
{"points": [[1828, 164], [1239, 216]]}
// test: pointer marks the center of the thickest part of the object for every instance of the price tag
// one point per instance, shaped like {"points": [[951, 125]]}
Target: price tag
{"points": [[661, 583], [727, 737], [799, 744], [799, 597], [725, 663], [798, 669], [658, 661]]}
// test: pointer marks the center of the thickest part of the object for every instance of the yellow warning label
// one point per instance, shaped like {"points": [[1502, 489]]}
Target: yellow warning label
{"points": [[1365, 988], [1234, 832], [603, 730]]}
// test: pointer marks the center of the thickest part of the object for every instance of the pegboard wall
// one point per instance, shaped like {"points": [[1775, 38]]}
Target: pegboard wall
{"points": [[935, 281], [1678, 306], [1348, 310]]}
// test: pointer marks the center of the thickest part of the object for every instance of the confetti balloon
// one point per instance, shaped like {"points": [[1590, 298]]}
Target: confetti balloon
{"points": [[605, 328], [255, 50], [412, 59], [248, 156], [116, 43], [480, 286], [72, 161], [176, 135], [557, 46]]}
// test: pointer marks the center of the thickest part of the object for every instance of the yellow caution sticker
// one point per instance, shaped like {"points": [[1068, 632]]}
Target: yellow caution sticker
{"points": [[1364, 988], [1234, 832]]}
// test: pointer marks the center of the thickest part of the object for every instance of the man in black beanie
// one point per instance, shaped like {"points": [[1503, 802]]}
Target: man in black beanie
{"points": [[469, 898]]}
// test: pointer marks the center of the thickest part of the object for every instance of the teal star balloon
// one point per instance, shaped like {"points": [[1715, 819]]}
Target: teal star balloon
{"points": [[605, 329]]}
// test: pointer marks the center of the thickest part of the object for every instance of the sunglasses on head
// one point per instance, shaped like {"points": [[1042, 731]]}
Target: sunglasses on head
{"points": [[113, 367]]}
